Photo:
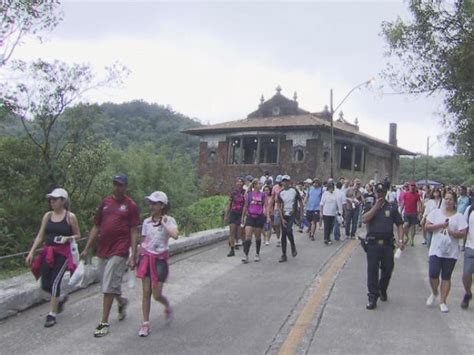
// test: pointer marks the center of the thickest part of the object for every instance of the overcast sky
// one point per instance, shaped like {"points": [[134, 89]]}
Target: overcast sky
{"points": [[213, 60]]}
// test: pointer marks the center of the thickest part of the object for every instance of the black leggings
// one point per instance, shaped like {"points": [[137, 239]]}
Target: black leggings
{"points": [[51, 277], [287, 232]]}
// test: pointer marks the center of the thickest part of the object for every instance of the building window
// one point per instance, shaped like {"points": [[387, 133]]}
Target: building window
{"points": [[268, 150], [276, 110], [298, 155], [250, 146], [358, 159], [235, 151], [346, 156]]}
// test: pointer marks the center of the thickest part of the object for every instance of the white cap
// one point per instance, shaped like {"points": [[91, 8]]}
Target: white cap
{"points": [[58, 193], [372, 182], [157, 196], [285, 177], [308, 181]]}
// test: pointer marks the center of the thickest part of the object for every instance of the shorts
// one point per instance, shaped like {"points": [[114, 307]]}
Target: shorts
{"points": [[276, 218], [111, 271], [438, 265], [235, 217], [162, 270], [468, 262], [313, 216], [255, 222], [411, 219]]}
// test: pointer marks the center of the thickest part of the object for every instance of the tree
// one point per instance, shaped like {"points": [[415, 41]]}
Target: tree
{"points": [[434, 53], [41, 98], [20, 18]]}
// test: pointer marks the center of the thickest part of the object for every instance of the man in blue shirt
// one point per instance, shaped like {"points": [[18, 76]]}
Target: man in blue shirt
{"points": [[463, 200], [312, 202]]}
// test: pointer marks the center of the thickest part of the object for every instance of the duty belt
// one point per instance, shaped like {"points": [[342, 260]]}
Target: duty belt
{"points": [[372, 240]]}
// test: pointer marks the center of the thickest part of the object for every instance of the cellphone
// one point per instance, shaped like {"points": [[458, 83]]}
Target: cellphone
{"points": [[60, 239]]}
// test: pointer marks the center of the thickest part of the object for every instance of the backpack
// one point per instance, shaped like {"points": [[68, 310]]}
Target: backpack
{"points": [[256, 201]]}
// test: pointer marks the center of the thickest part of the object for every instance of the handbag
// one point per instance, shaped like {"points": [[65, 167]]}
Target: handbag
{"points": [[77, 277]]}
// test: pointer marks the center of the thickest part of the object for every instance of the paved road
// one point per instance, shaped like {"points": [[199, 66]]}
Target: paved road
{"points": [[224, 307]]}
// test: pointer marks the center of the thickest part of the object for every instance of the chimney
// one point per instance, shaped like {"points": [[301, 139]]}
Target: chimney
{"points": [[392, 135]]}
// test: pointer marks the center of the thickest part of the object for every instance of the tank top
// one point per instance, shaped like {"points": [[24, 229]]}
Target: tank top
{"points": [[54, 229]]}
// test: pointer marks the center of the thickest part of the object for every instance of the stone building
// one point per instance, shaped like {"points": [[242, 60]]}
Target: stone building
{"points": [[282, 138]]}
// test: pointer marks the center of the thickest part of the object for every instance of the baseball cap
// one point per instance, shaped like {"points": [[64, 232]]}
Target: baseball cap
{"points": [[121, 178], [308, 181], [380, 187], [157, 196], [285, 177], [57, 193], [278, 178], [249, 178]]}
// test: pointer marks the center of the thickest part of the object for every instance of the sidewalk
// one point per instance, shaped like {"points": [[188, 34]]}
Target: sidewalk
{"points": [[403, 324]]}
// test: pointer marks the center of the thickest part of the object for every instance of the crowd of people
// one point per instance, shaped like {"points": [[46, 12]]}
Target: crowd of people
{"points": [[261, 206]]}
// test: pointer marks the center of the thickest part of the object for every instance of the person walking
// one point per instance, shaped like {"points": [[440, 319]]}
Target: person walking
{"points": [[312, 203], [379, 244], [448, 227], [434, 202], [411, 207], [116, 222], [268, 211], [254, 218], [233, 213], [468, 269], [276, 217], [330, 207], [58, 229], [289, 200], [342, 200], [153, 259]]}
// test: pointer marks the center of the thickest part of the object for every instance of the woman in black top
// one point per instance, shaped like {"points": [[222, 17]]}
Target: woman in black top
{"points": [[58, 228]]}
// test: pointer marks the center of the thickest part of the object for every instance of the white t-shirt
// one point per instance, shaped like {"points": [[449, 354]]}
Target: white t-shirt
{"points": [[330, 203], [289, 197], [155, 236], [442, 245], [431, 205], [470, 233], [340, 196]]}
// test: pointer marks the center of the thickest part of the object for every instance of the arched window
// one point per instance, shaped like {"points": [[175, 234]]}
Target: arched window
{"points": [[298, 155], [212, 156]]}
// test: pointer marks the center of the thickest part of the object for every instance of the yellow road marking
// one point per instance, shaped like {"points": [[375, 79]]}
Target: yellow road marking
{"points": [[322, 286]]}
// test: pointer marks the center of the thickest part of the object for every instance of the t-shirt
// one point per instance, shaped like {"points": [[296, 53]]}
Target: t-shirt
{"points": [[330, 203], [463, 202], [470, 222], [314, 198], [275, 192], [411, 200], [237, 200], [289, 199], [115, 220], [156, 236], [431, 205], [442, 245]]}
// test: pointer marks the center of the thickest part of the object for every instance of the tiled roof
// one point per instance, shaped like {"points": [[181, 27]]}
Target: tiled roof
{"points": [[285, 123]]}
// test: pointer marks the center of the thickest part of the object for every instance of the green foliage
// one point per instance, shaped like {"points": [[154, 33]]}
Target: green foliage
{"points": [[434, 52], [447, 170], [206, 213]]}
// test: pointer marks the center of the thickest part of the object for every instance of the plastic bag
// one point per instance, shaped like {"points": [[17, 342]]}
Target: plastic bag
{"points": [[74, 251], [78, 276], [398, 253], [132, 279], [340, 219]]}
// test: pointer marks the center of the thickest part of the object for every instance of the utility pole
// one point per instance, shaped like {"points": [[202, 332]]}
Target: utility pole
{"points": [[332, 133], [427, 158]]}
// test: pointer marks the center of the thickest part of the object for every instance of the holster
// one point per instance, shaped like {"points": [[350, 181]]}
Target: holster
{"points": [[363, 243]]}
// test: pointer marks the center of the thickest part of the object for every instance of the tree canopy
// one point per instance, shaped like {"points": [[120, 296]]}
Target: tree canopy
{"points": [[434, 52]]}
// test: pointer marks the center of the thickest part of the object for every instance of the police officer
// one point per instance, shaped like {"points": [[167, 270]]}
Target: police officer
{"points": [[379, 244]]}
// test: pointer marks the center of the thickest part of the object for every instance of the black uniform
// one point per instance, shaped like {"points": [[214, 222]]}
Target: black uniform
{"points": [[379, 247]]}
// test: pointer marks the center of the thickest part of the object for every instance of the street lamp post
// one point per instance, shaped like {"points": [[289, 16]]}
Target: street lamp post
{"points": [[331, 112]]}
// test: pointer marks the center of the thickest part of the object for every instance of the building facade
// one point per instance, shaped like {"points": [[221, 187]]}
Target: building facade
{"points": [[282, 138]]}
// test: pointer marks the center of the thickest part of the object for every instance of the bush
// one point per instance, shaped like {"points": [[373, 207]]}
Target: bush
{"points": [[207, 213]]}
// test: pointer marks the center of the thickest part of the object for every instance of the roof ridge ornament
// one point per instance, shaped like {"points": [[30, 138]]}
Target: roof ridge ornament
{"points": [[262, 99], [295, 96], [278, 90]]}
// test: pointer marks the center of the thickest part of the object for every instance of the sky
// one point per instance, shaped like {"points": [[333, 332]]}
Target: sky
{"points": [[213, 60]]}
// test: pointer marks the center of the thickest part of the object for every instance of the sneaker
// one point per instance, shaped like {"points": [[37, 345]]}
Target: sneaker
{"points": [[245, 260], [329, 242], [122, 309], [50, 321], [267, 243], [231, 253], [465, 301], [168, 314], [102, 330], [294, 253], [383, 296], [443, 308], [282, 259], [424, 242], [62, 303], [371, 305], [431, 301], [257, 258], [144, 330], [312, 238]]}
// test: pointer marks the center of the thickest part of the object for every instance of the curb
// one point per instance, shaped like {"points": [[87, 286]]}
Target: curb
{"points": [[22, 292]]}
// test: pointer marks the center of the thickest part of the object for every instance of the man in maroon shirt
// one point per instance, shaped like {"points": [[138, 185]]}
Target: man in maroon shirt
{"points": [[116, 222], [411, 207]]}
